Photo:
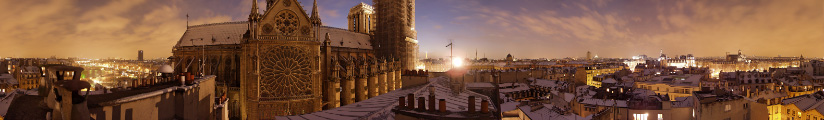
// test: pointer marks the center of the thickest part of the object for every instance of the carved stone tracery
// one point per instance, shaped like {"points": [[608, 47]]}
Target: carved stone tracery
{"points": [[287, 22], [285, 72]]}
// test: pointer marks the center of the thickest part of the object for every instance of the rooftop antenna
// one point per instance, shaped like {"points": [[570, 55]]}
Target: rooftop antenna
{"points": [[450, 52]]}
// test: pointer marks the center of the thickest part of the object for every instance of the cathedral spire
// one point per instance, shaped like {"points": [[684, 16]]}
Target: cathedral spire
{"points": [[254, 14], [253, 17], [315, 19], [254, 7]]}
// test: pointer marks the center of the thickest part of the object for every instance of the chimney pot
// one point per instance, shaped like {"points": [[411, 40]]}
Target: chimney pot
{"points": [[421, 104], [484, 106], [442, 107], [432, 103], [401, 102], [471, 104], [411, 101]]}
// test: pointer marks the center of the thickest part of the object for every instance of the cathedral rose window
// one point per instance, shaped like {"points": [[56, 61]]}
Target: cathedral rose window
{"points": [[287, 22], [285, 71]]}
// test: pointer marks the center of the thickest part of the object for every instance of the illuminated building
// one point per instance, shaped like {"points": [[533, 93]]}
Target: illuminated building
{"points": [[682, 61], [362, 19], [806, 107], [673, 85], [720, 104], [283, 61], [28, 77], [584, 75]]}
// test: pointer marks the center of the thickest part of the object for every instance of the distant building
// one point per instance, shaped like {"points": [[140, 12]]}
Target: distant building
{"points": [[589, 55], [140, 55], [674, 85], [509, 58]]}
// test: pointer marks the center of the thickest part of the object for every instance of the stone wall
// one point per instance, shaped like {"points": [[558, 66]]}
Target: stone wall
{"points": [[191, 102]]}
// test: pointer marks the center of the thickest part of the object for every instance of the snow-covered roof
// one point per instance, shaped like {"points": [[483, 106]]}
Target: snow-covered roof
{"points": [[609, 80], [31, 69], [807, 102], [509, 106], [480, 85], [549, 83], [548, 112], [677, 80], [380, 107], [603, 102], [517, 87], [7, 79], [6, 100], [683, 102], [214, 34], [376, 106], [768, 95]]}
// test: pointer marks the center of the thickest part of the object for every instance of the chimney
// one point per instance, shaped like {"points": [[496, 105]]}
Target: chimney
{"points": [[484, 106], [421, 104], [432, 103], [411, 100], [442, 107], [471, 104], [5, 67], [401, 102]]}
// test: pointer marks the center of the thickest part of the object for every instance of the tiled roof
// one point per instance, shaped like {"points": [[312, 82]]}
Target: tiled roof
{"points": [[345, 38], [213, 34], [683, 102], [228, 33]]}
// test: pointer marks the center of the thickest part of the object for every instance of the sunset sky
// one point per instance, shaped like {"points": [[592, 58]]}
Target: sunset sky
{"points": [[524, 28]]}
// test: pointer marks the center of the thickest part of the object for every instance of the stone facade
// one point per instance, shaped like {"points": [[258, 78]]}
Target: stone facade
{"points": [[284, 62]]}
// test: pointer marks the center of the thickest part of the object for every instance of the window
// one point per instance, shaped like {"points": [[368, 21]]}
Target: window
{"points": [[660, 116], [727, 108], [640, 116]]}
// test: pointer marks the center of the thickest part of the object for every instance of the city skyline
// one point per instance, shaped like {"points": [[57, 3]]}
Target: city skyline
{"points": [[116, 29]]}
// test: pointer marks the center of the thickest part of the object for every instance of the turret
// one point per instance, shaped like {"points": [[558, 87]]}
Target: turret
{"points": [[315, 18], [253, 18]]}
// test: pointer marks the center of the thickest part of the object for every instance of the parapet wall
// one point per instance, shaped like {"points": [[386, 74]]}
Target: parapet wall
{"points": [[190, 102]]}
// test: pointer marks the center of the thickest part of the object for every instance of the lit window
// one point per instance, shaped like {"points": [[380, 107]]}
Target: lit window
{"points": [[640, 116], [727, 108], [660, 116]]}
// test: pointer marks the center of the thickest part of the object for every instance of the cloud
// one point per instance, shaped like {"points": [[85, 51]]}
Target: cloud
{"points": [[462, 18], [331, 13], [700, 27], [102, 29], [437, 26]]}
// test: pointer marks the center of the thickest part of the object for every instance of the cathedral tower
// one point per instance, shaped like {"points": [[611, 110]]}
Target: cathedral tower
{"points": [[395, 35], [361, 18], [280, 63]]}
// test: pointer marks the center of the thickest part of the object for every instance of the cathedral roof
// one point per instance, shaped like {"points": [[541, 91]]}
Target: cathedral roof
{"points": [[345, 38], [223, 33], [232, 33]]}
